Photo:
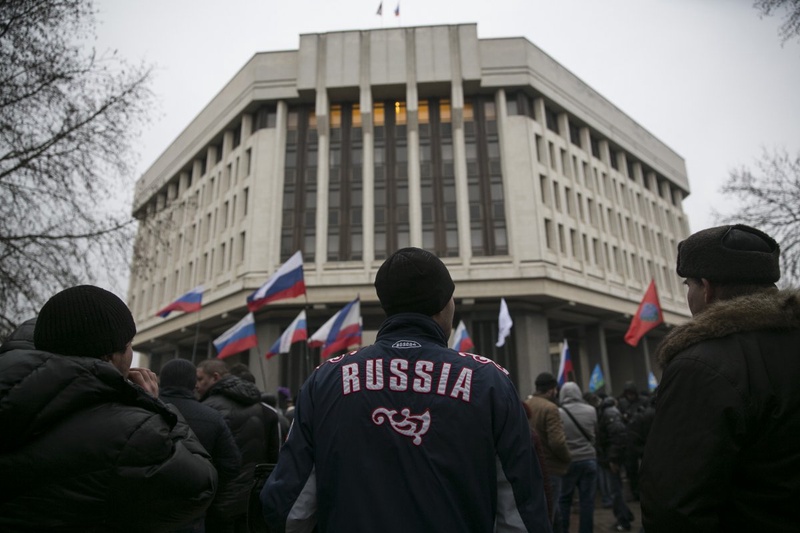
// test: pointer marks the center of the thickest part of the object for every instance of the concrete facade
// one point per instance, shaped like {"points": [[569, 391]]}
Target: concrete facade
{"points": [[591, 204]]}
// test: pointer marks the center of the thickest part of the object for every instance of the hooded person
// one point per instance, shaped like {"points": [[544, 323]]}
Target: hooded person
{"points": [[255, 429], [85, 444], [407, 434], [580, 428], [722, 453]]}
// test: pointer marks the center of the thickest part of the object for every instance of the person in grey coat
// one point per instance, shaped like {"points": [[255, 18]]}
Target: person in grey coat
{"points": [[580, 428]]}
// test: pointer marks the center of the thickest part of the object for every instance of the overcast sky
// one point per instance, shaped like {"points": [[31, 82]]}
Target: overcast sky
{"points": [[709, 78]]}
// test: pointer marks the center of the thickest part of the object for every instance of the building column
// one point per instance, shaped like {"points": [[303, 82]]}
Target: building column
{"points": [[412, 112], [323, 160], [533, 350], [368, 149]]}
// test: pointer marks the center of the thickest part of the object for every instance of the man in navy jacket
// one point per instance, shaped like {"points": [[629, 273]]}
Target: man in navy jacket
{"points": [[406, 434]]}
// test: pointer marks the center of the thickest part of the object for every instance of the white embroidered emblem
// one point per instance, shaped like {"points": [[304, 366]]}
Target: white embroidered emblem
{"points": [[411, 425]]}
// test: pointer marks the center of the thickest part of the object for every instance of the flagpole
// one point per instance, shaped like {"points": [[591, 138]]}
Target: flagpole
{"points": [[196, 336], [646, 356], [306, 354], [261, 360]]}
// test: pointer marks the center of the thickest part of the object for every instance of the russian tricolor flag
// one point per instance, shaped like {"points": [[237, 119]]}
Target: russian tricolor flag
{"points": [[188, 303], [239, 338], [287, 282], [461, 340], [564, 365], [296, 332], [342, 331]]}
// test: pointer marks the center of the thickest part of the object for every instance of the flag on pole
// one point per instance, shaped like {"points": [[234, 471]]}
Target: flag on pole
{"points": [[596, 381], [188, 303], [647, 317], [287, 282], [564, 365], [461, 340], [504, 323], [296, 332], [239, 338], [397, 10], [380, 10], [652, 382], [340, 332]]}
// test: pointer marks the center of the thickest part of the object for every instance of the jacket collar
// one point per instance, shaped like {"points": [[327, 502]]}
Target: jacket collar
{"points": [[770, 309], [412, 324]]}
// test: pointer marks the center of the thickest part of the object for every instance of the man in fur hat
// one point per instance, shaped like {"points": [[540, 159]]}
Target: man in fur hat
{"points": [[407, 434], [723, 452]]}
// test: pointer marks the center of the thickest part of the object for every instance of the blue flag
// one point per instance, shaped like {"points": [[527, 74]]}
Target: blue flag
{"points": [[596, 381], [651, 382]]}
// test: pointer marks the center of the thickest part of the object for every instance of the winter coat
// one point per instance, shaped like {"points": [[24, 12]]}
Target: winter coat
{"points": [[255, 429], [408, 435], [723, 453], [580, 448], [611, 436], [83, 449], [21, 338], [210, 429], [546, 422]]}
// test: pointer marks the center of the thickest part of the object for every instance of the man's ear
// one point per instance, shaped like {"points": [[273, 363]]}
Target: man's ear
{"points": [[709, 291]]}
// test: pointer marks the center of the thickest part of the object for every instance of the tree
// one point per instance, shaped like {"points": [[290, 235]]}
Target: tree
{"points": [[791, 22], [769, 200], [68, 119]]}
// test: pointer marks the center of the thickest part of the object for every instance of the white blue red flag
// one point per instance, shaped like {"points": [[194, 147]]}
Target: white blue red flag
{"points": [[341, 332], [188, 303], [287, 282], [461, 340], [239, 338], [565, 365], [296, 332]]}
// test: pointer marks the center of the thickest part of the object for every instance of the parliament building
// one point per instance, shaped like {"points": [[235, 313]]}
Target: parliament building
{"points": [[529, 185]]}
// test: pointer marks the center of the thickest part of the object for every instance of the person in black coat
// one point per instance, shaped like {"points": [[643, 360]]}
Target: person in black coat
{"points": [[611, 452], [86, 445], [255, 429], [177, 382]]}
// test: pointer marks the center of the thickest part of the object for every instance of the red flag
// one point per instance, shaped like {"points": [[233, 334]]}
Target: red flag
{"points": [[647, 317]]}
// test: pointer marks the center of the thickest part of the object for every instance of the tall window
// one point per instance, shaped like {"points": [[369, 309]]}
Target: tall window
{"points": [[391, 177], [298, 227], [487, 216], [345, 191], [437, 178]]}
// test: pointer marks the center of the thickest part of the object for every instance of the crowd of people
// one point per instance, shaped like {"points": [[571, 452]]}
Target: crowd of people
{"points": [[407, 435]]}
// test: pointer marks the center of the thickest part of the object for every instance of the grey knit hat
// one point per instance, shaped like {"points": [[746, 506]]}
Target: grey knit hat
{"points": [[730, 254], [84, 321], [413, 280]]}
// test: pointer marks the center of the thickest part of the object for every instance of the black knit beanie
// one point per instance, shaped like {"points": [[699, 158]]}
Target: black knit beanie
{"points": [[545, 381], [84, 321], [178, 373], [413, 280], [730, 254]]}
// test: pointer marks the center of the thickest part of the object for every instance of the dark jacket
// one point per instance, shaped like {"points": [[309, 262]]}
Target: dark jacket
{"points": [[21, 338], [723, 453], [611, 435], [210, 429], [255, 429], [83, 449], [408, 435]]}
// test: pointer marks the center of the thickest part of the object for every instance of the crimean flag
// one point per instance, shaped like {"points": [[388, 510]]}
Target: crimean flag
{"points": [[239, 338], [647, 317], [341, 332], [596, 381], [287, 282], [565, 367], [296, 332], [461, 340], [188, 303]]}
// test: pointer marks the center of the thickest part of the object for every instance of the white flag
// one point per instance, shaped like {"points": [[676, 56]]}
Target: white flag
{"points": [[504, 323]]}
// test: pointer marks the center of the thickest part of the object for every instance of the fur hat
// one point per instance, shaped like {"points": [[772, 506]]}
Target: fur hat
{"points": [[730, 254], [178, 373], [413, 280], [84, 321]]}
